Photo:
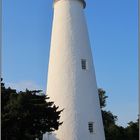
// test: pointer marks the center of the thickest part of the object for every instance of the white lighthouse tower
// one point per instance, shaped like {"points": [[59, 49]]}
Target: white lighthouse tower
{"points": [[71, 77]]}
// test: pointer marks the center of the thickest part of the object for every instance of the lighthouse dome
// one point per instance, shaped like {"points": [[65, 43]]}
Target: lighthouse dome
{"points": [[83, 1]]}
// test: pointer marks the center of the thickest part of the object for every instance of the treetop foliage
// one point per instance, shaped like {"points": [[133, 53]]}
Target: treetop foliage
{"points": [[26, 115], [112, 130]]}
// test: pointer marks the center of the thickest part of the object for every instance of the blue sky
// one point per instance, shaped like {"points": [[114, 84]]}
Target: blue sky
{"points": [[113, 34]]}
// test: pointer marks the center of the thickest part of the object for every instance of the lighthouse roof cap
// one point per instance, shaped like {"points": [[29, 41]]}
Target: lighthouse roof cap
{"points": [[83, 1]]}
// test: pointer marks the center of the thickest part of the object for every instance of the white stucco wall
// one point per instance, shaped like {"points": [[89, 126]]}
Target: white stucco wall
{"points": [[69, 86]]}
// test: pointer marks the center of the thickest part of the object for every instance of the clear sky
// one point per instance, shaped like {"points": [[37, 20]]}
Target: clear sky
{"points": [[113, 31]]}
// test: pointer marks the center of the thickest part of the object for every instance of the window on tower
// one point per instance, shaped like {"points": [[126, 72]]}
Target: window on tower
{"points": [[90, 127], [84, 64]]}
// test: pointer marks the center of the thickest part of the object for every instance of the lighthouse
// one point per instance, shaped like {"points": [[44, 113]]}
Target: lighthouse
{"points": [[71, 77]]}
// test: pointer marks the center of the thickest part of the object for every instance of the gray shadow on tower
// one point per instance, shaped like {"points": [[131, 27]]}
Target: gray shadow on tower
{"points": [[50, 136]]}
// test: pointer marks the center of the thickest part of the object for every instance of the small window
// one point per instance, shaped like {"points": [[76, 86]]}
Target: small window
{"points": [[84, 64], [90, 127]]}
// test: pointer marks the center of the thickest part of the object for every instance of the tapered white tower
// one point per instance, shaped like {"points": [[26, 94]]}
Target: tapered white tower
{"points": [[71, 77]]}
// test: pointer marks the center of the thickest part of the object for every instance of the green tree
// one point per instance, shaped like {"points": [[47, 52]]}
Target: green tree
{"points": [[112, 130], [26, 115], [109, 120], [108, 117], [102, 97], [132, 130]]}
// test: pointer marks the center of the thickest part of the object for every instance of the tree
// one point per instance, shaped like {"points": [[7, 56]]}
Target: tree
{"points": [[132, 130], [102, 97], [26, 115], [109, 120], [108, 117], [112, 130]]}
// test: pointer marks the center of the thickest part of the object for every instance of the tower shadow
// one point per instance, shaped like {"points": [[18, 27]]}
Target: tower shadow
{"points": [[50, 136]]}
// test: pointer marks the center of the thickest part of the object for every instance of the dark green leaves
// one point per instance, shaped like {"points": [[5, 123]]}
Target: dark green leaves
{"points": [[27, 115]]}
